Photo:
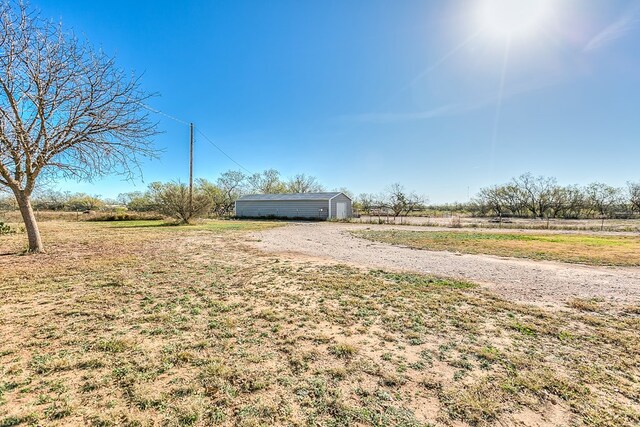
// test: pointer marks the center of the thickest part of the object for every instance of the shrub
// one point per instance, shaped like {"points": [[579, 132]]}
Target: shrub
{"points": [[172, 199], [125, 217], [5, 229]]}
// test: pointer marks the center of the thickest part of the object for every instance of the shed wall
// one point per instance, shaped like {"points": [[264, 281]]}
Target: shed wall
{"points": [[341, 198], [311, 209]]}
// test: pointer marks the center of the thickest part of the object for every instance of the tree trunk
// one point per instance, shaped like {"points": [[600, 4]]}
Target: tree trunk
{"points": [[29, 218]]}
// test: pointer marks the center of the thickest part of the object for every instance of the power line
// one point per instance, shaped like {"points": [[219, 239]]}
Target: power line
{"points": [[221, 150], [153, 110]]}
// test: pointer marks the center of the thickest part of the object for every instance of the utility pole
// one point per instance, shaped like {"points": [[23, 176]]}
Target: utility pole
{"points": [[191, 168]]}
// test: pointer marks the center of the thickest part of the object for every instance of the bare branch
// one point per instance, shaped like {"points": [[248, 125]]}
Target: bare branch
{"points": [[66, 110]]}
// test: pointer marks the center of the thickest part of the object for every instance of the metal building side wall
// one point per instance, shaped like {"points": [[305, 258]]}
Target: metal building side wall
{"points": [[283, 208], [341, 198]]}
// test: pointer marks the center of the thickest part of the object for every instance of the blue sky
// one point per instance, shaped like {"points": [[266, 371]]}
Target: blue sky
{"points": [[362, 94]]}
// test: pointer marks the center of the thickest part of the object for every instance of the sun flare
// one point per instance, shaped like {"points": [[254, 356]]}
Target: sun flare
{"points": [[510, 18]]}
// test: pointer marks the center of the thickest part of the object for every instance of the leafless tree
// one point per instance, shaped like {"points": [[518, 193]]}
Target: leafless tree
{"points": [[536, 192], [232, 184], [402, 202], [634, 195], [66, 110], [603, 198], [492, 199], [302, 183], [366, 202], [267, 182]]}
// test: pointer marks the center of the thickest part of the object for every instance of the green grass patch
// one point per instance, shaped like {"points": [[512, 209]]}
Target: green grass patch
{"points": [[420, 280], [565, 247], [138, 326]]}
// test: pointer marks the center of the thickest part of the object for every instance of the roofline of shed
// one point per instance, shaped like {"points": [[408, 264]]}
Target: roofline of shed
{"points": [[298, 199], [340, 194]]}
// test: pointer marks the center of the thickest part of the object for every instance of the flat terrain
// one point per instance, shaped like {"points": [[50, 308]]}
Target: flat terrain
{"points": [[142, 324], [617, 225], [574, 248], [522, 280]]}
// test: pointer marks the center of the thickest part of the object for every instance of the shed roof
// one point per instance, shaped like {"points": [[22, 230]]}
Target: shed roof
{"points": [[293, 196]]}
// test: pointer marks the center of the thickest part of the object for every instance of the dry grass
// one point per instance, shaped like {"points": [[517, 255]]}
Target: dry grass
{"points": [[574, 248], [179, 326]]}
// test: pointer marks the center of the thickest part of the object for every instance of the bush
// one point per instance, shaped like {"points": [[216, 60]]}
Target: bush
{"points": [[116, 216], [172, 199], [5, 229]]}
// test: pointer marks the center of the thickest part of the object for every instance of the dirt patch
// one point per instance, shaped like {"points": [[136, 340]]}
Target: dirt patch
{"points": [[536, 282], [185, 326]]}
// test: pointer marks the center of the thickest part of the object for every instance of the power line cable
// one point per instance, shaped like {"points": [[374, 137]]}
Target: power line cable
{"points": [[221, 150], [153, 110]]}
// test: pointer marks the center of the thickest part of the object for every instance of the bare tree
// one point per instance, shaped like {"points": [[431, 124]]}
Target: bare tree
{"points": [[536, 192], [492, 199], [267, 182], [232, 184], [7, 202], [66, 110], [302, 183], [512, 197], [400, 201], [51, 200], [366, 202], [634, 195], [603, 198]]}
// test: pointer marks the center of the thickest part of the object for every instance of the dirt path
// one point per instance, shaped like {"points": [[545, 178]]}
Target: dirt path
{"points": [[538, 282]]}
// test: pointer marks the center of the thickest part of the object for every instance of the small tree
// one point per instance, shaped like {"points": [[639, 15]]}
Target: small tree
{"points": [[7, 202], [232, 184], [400, 201], [50, 200], [302, 183], [66, 110], [634, 195], [137, 201], [172, 199], [366, 202], [536, 193], [492, 199], [267, 182], [603, 199], [84, 202]]}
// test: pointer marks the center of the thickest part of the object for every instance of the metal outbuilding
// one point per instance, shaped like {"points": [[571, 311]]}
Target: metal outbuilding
{"points": [[318, 206]]}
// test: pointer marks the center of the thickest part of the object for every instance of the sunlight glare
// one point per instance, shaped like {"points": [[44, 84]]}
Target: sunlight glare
{"points": [[507, 18]]}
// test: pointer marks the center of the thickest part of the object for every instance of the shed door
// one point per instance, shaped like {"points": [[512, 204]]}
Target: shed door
{"points": [[341, 210]]}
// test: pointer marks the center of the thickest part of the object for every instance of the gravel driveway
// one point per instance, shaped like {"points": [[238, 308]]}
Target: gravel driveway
{"points": [[537, 282]]}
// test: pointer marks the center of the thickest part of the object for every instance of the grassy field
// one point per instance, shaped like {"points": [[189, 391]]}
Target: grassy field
{"points": [[574, 248], [145, 324], [463, 221]]}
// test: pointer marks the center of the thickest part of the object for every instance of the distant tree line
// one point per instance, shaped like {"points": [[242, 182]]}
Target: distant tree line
{"points": [[210, 198], [214, 198], [529, 196], [526, 196], [395, 201], [51, 200]]}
